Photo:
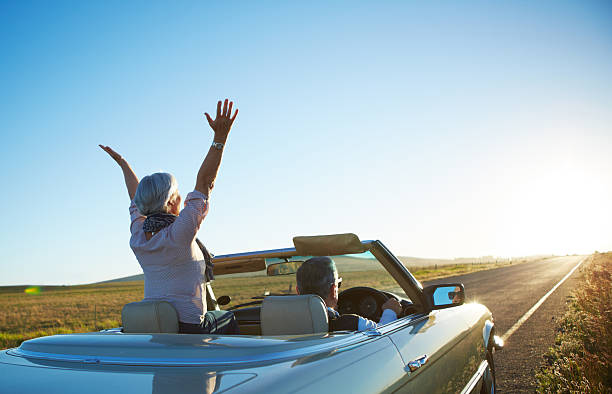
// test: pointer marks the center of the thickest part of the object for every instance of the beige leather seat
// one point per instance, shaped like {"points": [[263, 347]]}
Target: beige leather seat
{"points": [[293, 315], [149, 317]]}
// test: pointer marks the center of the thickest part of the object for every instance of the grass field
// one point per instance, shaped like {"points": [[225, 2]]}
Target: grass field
{"points": [[581, 360], [30, 313]]}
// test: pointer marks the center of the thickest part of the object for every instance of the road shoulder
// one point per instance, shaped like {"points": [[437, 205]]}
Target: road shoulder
{"points": [[524, 352]]}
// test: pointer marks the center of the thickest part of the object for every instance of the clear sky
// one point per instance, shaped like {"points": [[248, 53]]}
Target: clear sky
{"points": [[444, 129]]}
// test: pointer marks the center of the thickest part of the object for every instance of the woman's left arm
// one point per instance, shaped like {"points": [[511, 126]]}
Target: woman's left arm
{"points": [[131, 180]]}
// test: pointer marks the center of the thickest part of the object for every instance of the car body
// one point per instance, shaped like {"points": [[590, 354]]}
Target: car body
{"points": [[436, 346]]}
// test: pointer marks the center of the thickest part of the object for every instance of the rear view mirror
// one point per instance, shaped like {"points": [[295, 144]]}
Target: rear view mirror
{"points": [[445, 295], [286, 268], [225, 267]]}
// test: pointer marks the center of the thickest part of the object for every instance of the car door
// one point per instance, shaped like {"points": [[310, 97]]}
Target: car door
{"points": [[437, 351]]}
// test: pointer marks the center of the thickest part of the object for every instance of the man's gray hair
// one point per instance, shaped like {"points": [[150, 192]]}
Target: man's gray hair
{"points": [[154, 192], [316, 276]]}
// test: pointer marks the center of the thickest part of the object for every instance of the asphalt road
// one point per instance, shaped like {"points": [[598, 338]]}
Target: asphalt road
{"points": [[509, 292]]}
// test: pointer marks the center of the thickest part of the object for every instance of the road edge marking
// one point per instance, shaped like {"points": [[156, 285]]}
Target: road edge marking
{"points": [[531, 311]]}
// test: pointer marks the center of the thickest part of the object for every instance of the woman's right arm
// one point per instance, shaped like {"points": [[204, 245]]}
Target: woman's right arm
{"points": [[221, 126], [131, 180]]}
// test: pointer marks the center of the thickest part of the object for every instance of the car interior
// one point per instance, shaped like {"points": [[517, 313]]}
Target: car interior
{"points": [[274, 309]]}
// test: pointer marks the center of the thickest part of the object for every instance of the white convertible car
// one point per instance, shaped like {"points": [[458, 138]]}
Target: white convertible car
{"points": [[438, 345]]}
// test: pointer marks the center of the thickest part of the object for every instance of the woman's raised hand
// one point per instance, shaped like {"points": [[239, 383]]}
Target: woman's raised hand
{"points": [[114, 155], [131, 180], [223, 121]]}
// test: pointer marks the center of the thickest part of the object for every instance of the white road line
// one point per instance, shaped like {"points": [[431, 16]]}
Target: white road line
{"points": [[530, 312]]}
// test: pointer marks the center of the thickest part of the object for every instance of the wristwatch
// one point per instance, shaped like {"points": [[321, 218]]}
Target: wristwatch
{"points": [[217, 145]]}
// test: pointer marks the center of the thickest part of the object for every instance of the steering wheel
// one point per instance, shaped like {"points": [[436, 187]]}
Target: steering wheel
{"points": [[363, 301]]}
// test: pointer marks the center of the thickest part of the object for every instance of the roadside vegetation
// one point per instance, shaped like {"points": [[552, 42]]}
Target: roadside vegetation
{"points": [[581, 360], [30, 312]]}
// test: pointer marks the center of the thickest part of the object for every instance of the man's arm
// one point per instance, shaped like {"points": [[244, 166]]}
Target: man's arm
{"points": [[391, 310], [131, 180], [221, 126]]}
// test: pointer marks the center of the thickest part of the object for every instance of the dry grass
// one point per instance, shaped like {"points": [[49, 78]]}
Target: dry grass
{"points": [[581, 360], [430, 273], [67, 309], [62, 309]]}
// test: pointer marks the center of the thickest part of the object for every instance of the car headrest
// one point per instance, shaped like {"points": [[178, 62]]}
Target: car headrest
{"points": [[293, 315], [149, 317]]}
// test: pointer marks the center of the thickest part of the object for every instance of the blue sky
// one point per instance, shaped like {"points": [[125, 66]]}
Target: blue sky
{"points": [[445, 129]]}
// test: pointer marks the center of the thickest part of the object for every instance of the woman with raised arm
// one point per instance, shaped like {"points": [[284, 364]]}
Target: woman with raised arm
{"points": [[164, 236]]}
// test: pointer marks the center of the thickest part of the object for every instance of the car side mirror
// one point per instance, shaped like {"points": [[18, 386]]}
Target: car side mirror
{"points": [[223, 300], [444, 295]]}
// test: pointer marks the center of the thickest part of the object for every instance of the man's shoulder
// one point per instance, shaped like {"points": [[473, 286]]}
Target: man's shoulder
{"points": [[346, 322], [332, 313]]}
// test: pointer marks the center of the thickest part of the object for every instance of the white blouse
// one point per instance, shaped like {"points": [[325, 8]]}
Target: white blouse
{"points": [[171, 260]]}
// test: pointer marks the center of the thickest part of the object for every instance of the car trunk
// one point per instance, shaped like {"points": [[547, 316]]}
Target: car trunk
{"points": [[116, 348]]}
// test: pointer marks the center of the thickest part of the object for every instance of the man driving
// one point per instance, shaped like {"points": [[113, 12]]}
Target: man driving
{"points": [[457, 296], [318, 275]]}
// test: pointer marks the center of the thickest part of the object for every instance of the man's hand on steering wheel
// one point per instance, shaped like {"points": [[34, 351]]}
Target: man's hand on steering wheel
{"points": [[394, 305]]}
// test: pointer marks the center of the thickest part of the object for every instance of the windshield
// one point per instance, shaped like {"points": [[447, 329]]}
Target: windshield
{"points": [[356, 270]]}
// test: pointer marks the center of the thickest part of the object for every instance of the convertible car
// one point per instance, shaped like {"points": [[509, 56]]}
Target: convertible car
{"points": [[439, 344]]}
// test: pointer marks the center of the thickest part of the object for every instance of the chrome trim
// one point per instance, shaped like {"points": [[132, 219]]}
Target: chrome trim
{"points": [[401, 323], [250, 254], [498, 342], [349, 343], [418, 363], [372, 332], [265, 253], [475, 378], [486, 333]]}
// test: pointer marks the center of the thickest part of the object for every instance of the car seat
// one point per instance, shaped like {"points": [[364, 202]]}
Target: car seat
{"points": [[293, 315], [149, 317]]}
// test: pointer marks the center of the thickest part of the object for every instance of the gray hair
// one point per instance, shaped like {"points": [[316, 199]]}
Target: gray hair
{"points": [[154, 192], [316, 276]]}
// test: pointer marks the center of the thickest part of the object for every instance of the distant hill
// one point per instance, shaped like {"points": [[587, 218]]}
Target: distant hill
{"points": [[132, 278]]}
